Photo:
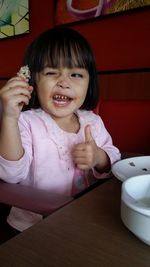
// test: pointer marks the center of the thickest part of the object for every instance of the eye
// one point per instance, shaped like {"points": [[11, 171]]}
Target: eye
{"points": [[77, 75], [50, 73]]}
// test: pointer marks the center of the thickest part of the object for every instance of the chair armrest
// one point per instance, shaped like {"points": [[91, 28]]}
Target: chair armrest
{"points": [[33, 199]]}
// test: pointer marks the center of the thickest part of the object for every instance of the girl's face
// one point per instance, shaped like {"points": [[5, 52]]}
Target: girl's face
{"points": [[62, 91]]}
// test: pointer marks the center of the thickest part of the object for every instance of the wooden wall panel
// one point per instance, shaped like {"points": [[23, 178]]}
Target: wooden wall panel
{"points": [[134, 85]]}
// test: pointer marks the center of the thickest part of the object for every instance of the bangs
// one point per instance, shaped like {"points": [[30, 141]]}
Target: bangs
{"points": [[61, 47], [64, 55]]}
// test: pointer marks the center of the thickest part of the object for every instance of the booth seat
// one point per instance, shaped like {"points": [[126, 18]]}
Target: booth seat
{"points": [[128, 122]]}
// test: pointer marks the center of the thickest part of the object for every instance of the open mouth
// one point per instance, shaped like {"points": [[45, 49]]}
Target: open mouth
{"points": [[61, 99]]}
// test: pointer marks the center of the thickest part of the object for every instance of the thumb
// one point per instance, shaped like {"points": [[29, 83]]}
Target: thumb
{"points": [[88, 135]]}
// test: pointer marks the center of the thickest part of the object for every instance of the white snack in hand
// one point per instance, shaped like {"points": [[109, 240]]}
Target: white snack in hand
{"points": [[24, 72]]}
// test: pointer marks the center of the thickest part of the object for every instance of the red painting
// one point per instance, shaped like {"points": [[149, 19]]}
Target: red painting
{"points": [[68, 11]]}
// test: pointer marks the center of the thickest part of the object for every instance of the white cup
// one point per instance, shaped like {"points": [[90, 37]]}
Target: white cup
{"points": [[135, 206]]}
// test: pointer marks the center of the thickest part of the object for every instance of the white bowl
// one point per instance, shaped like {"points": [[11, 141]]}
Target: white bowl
{"points": [[135, 206]]}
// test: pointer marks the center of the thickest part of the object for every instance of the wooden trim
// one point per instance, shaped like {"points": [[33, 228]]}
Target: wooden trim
{"points": [[127, 84], [123, 71]]}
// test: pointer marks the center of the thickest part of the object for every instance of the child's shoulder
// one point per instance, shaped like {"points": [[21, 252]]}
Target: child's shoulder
{"points": [[89, 116]]}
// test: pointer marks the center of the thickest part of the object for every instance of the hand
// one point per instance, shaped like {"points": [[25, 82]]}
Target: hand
{"points": [[85, 155], [14, 95]]}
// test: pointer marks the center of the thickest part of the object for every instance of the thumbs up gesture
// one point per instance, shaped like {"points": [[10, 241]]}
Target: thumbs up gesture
{"points": [[85, 155], [88, 155]]}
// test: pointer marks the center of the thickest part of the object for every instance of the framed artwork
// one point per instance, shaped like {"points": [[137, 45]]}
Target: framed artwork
{"points": [[14, 17], [68, 11]]}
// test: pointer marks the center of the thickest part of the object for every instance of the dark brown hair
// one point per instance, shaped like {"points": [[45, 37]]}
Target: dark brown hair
{"points": [[62, 47]]}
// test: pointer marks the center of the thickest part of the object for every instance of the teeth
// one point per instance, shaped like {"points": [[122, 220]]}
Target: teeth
{"points": [[60, 97]]}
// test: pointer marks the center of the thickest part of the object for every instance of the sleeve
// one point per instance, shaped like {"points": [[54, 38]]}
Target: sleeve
{"points": [[17, 171], [104, 141]]}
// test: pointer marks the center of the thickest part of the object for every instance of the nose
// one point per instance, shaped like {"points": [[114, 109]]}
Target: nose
{"points": [[63, 82]]}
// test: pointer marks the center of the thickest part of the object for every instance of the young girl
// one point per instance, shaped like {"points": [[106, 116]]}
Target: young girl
{"points": [[58, 144]]}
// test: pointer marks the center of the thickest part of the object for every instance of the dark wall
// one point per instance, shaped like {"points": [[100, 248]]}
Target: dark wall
{"points": [[119, 41]]}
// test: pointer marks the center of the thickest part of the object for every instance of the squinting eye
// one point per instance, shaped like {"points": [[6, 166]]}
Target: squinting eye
{"points": [[50, 73], [77, 75]]}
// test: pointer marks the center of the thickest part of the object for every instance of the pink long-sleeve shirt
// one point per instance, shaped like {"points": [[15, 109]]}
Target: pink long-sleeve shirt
{"points": [[47, 162]]}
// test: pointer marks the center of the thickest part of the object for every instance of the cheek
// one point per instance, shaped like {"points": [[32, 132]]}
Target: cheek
{"points": [[84, 89], [42, 95], [44, 89], [82, 94]]}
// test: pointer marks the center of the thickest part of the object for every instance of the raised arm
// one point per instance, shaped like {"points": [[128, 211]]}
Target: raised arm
{"points": [[13, 96]]}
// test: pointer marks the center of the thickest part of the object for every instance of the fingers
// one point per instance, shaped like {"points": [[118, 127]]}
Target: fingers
{"points": [[18, 99], [84, 153], [83, 149], [17, 95], [16, 81], [19, 91], [88, 135], [83, 167], [14, 95], [83, 156], [16, 86]]}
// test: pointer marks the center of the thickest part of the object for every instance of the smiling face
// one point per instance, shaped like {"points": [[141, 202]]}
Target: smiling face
{"points": [[61, 91], [63, 72]]}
